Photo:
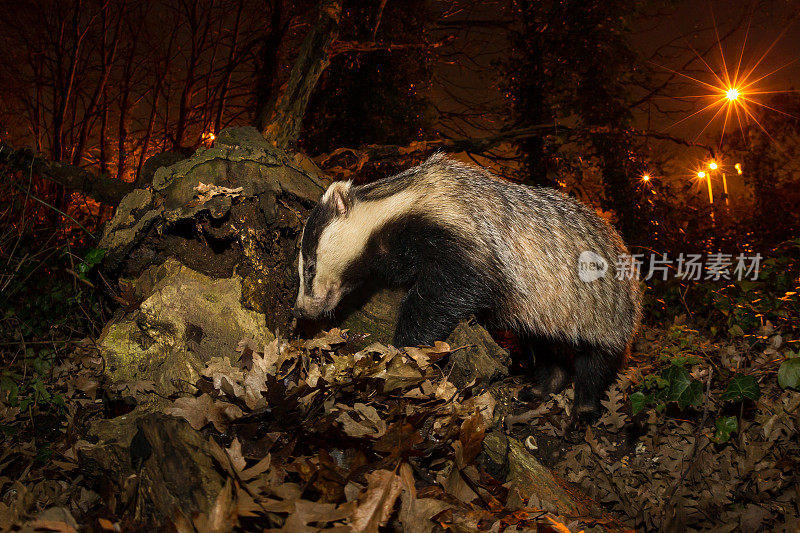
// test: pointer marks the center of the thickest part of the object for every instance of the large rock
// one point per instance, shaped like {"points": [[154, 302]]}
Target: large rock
{"points": [[183, 320], [477, 357], [239, 158]]}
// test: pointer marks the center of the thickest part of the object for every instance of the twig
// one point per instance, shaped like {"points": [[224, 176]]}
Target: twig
{"points": [[454, 350], [86, 281]]}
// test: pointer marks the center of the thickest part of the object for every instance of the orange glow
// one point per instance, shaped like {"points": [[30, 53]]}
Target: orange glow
{"points": [[738, 167], [646, 177], [712, 165], [732, 94], [701, 174]]}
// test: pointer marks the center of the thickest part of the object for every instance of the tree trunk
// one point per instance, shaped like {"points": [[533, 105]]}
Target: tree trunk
{"points": [[281, 122]]}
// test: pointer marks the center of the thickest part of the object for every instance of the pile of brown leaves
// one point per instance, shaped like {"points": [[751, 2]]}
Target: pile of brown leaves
{"points": [[319, 435], [325, 439], [311, 436], [663, 469]]}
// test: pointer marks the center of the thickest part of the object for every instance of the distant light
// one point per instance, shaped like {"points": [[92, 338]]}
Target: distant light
{"points": [[738, 167], [701, 174], [712, 165], [732, 94], [646, 177]]}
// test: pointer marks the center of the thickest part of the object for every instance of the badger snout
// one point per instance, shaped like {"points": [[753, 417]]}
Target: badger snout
{"points": [[310, 307], [315, 306], [306, 307]]}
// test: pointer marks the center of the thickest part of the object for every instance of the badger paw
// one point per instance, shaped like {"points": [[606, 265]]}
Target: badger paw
{"points": [[546, 380], [531, 394], [582, 418]]}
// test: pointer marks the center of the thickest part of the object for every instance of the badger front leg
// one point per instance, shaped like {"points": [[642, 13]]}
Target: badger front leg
{"points": [[430, 311]]}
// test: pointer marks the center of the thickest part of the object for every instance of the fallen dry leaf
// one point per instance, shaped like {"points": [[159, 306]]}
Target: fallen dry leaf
{"points": [[377, 502], [204, 409]]}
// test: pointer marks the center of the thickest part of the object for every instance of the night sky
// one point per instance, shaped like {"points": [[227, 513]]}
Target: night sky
{"points": [[772, 24], [766, 34]]}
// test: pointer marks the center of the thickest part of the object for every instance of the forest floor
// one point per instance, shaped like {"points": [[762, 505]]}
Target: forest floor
{"points": [[315, 435]]}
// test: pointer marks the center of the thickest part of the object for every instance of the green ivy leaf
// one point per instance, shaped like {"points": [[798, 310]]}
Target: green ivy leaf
{"points": [[94, 256], [747, 286], [692, 395], [682, 387], [736, 331], [789, 374], [742, 387], [638, 402], [725, 426]]}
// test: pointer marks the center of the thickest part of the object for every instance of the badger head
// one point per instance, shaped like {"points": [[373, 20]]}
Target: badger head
{"points": [[326, 250]]}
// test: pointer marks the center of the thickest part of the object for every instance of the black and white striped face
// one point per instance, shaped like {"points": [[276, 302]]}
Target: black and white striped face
{"points": [[320, 270], [335, 240]]}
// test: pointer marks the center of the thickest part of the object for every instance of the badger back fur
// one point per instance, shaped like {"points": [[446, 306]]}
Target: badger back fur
{"points": [[465, 242]]}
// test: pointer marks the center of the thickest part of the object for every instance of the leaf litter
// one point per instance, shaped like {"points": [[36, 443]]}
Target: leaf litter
{"points": [[313, 436]]}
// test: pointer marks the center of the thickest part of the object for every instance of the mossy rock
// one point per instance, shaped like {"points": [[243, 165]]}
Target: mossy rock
{"points": [[184, 319]]}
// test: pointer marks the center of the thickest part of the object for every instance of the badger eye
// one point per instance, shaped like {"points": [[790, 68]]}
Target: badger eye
{"points": [[311, 268]]}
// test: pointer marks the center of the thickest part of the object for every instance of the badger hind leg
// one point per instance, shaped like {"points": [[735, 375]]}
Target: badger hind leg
{"points": [[549, 379], [550, 373], [596, 369]]}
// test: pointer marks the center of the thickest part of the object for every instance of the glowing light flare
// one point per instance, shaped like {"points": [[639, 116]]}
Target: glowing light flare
{"points": [[646, 177], [713, 165], [733, 89], [738, 167], [701, 174]]}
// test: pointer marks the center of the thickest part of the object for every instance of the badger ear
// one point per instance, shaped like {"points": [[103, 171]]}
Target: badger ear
{"points": [[340, 197]]}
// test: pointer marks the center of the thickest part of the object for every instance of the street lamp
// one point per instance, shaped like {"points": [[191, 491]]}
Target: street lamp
{"points": [[702, 175], [713, 166]]}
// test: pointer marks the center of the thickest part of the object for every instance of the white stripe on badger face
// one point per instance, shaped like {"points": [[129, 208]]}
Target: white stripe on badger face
{"points": [[300, 270], [345, 238]]}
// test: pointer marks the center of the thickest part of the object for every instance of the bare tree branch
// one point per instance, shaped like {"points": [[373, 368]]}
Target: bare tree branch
{"points": [[341, 47], [101, 188], [343, 161], [374, 153], [671, 138]]}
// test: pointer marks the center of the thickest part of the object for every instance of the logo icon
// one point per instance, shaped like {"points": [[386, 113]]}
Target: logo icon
{"points": [[591, 266]]}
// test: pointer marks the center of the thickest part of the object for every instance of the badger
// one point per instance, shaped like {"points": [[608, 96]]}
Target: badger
{"points": [[464, 242]]}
